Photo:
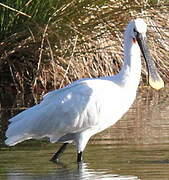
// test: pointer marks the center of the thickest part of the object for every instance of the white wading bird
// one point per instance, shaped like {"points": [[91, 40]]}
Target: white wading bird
{"points": [[85, 107]]}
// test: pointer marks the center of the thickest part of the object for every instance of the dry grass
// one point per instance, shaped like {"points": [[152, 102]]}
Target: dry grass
{"points": [[51, 56]]}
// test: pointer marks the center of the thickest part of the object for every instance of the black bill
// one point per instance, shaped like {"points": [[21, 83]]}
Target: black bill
{"points": [[154, 78]]}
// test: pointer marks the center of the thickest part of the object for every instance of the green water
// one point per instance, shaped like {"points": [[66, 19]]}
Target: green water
{"points": [[100, 162]]}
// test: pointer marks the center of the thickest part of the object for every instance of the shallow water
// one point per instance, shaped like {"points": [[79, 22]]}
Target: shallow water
{"points": [[124, 162]]}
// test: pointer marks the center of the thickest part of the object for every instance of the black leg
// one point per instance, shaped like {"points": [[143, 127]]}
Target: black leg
{"points": [[79, 157], [56, 156]]}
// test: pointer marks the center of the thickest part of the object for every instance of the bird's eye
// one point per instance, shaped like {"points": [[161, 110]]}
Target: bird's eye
{"points": [[135, 32]]}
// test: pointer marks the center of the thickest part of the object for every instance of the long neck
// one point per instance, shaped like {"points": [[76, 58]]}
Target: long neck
{"points": [[131, 70]]}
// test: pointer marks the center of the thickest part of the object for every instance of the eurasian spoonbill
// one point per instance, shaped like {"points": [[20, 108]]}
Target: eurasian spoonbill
{"points": [[85, 107]]}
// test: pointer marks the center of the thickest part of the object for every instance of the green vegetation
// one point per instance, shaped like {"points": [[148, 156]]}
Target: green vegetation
{"points": [[15, 16]]}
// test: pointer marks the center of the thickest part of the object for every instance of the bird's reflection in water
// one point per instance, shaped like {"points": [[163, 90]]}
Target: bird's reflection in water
{"points": [[63, 172]]}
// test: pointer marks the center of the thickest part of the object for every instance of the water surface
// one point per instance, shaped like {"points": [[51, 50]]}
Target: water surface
{"points": [[100, 162]]}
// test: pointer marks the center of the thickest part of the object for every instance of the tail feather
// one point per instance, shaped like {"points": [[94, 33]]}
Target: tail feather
{"points": [[24, 113], [21, 126], [17, 132], [32, 123], [13, 140]]}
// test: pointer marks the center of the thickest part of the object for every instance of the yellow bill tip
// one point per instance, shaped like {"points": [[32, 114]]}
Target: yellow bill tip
{"points": [[156, 84]]}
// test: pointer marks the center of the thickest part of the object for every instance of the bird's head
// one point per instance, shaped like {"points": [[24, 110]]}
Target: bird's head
{"points": [[135, 28]]}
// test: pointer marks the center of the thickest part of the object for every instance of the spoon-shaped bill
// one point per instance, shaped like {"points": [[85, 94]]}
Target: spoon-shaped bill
{"points": [[154, 78]]}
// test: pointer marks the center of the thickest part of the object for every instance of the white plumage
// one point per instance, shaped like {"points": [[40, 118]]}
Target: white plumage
{"points": [[85, 107]]}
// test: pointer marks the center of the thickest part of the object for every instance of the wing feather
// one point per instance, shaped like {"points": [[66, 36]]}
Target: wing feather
{"points": [[60, 112]]}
